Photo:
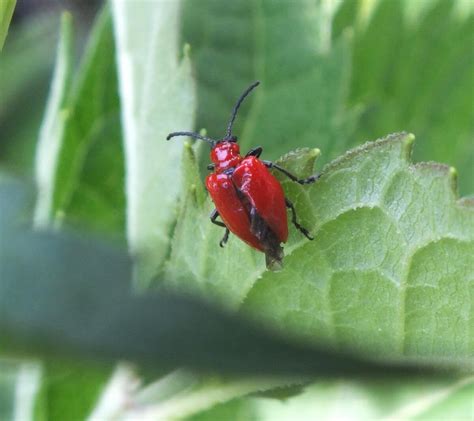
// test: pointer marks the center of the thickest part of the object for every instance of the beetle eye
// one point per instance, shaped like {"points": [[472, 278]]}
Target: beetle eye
{"points": [[233, 139], [211, 167]]}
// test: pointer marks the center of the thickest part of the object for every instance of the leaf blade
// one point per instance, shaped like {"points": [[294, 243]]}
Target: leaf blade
{"points": [[49, 142], [365, 255], [6, 12], [153, 82]]}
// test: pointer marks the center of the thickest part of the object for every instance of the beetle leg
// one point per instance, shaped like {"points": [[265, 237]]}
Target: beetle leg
{"points": [[308, 180], [213, 216], [224, 239], [211, 167], [256, 152], [303, 230]]}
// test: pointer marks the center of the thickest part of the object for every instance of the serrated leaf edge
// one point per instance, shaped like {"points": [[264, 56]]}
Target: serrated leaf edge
{"points": [[408, 141]]}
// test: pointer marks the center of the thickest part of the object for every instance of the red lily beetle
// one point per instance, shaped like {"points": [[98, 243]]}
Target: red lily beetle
{"points": [[248, 198]]}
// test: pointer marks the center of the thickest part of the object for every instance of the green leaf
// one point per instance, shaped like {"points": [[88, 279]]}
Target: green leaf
{"points": [[52, 128], [181, 395], [26, 44], [8, 377], [287, 45], [449, 398], [392, 242], [177, 395], [83, 159], [19, 387], [390, 269], [157, 93], [71, 388], [26, 63], [412, 70], [6, 12]]}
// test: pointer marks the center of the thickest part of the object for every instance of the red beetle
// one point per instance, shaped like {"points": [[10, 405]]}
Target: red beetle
{"points": [[248, 198]]}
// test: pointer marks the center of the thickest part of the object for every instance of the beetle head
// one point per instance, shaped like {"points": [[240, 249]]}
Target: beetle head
{"points": [[225, 154]]}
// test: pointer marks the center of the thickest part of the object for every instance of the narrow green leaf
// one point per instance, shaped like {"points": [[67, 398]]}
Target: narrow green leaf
{"points": [[86, 183], [6, 12], [8, 376], [26, 63], [52, 128], [453, 402], [157, 96], [71, 388], [391, 400], [177, 395], [89, 184], [206, 395], [19, 387], [29, 43]]}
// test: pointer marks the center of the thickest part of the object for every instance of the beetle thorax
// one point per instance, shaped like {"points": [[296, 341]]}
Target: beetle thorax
{"points": [[225, 155]]}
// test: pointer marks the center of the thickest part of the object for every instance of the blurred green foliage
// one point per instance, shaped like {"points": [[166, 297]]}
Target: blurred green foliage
{"points": [[25, 64], [415, 73]]}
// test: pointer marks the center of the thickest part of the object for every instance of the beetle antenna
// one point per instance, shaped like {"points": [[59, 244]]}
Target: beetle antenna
{"points": [[212, 142], [236, 108]]}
